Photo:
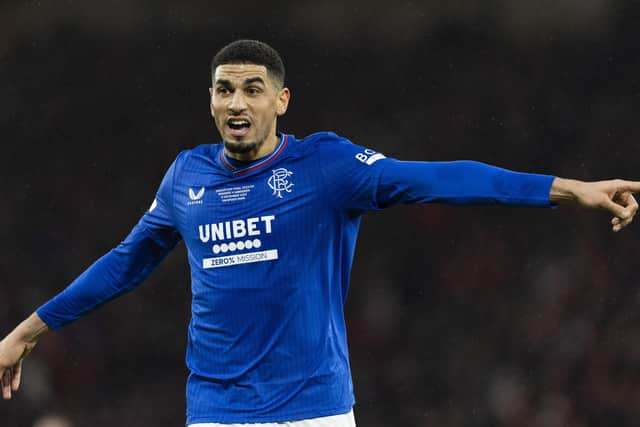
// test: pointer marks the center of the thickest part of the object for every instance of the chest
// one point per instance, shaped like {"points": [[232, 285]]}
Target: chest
{"points": [[220, 214]]}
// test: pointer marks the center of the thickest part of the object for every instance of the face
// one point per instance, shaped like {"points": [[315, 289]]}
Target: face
{"points": [[245, 104]]}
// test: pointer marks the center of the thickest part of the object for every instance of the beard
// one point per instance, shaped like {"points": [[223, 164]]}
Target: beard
{"points": [[241, 147]]}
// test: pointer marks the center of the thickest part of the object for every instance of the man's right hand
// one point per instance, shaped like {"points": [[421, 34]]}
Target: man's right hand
{"points": [[14, 348]]}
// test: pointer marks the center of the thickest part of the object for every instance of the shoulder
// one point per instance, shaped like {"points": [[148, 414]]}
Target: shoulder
{"points": [[328, 144], [197, 157], [199, 151], [323, 138], [335, 149]]}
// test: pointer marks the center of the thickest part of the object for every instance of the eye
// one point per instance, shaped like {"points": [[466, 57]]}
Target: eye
{"points": [[252, 90], [222, 90]]}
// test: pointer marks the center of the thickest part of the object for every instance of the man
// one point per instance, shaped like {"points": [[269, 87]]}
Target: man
{"points": [[270, 224]]}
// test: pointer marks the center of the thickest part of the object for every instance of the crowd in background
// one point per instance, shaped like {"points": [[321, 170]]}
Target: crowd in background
{"points": [[457, 316]]}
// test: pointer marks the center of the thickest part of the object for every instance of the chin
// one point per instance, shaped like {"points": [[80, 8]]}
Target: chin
{"points": [[240, 147]]}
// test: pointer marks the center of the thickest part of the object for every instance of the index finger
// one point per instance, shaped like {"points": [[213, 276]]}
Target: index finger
{"points": [[632, 186]]}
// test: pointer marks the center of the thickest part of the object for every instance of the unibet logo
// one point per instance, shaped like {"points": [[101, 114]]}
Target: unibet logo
{"points": [[235, 229]]}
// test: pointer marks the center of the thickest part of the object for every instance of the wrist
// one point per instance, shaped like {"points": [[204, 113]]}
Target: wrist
{"points": [[30, 331], [564, 190]]}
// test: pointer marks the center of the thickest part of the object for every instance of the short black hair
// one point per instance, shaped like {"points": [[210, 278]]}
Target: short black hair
{"points": [[247, 51]]}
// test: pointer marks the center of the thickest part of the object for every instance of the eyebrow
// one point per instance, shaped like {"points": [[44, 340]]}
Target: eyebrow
{"points": [[248, 81], [254, 80]]}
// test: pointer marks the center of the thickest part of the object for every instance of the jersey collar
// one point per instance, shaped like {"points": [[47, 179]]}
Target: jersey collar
{"points": [[249, 167]]}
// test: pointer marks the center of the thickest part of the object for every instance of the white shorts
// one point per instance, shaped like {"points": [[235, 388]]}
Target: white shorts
{"points": [[342, 420]]}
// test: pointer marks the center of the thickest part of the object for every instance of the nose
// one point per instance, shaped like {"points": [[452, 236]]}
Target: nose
{"points": [[238, 102]]}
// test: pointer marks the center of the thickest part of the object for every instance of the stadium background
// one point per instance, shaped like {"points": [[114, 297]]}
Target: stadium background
{"points": [[458, 316]]}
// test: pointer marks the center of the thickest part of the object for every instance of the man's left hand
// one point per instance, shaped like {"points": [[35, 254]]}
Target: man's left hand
{"points": [[615, 196]]}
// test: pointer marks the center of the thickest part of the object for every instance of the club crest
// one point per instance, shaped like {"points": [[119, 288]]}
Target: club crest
{"points": [[279, 181]]}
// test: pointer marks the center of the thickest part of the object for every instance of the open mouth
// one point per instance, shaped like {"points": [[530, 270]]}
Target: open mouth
{"points": [[238, 127]]}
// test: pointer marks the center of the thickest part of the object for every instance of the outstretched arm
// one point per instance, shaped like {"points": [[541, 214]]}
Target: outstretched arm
{"points": [[117, 272], [380, 182], [615, 196], [14, 348]]}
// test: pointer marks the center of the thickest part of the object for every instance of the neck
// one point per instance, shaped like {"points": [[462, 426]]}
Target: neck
{"points": [[262, 149]]}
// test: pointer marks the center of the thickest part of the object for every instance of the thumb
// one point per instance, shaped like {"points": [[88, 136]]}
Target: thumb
{"points": [[616, 209]]}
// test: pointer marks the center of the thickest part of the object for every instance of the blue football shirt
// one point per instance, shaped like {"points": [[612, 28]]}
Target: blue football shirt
{"points": [[270, 246]]}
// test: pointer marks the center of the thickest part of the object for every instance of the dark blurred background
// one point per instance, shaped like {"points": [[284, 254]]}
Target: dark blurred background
{"points": [[458, 316]]}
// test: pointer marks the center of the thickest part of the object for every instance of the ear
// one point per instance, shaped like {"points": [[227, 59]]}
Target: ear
{"points": [[283, 101]]}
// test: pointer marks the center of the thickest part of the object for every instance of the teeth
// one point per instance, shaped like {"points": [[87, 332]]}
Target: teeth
{"points": [[238, 122]]}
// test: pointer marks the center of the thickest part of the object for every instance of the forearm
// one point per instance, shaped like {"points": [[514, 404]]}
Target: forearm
{"points": [[104, 280], [461, 182], [117, 272]]}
